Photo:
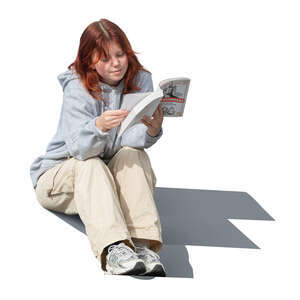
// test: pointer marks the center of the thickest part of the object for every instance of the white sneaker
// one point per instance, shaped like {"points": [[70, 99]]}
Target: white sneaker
{"points": [[151, 260], [122, 260]]}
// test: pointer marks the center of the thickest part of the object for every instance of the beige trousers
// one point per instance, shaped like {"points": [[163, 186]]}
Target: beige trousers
{"points": [[115, 201]]}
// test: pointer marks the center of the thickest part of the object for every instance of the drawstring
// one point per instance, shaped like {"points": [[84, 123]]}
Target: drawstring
{"points": [[120, 104], [113, 146]]}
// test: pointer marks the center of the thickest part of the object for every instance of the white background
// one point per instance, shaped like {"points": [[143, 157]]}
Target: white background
{"points": [[239, 133]]}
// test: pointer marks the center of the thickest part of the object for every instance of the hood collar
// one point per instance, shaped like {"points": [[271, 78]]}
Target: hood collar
{"points": [[108, 88], [68, 75], [65, 77]]}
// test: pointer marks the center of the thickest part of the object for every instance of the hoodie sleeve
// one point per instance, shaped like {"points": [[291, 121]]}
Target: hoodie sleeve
{"points": [[83, 139], [136, 136]]}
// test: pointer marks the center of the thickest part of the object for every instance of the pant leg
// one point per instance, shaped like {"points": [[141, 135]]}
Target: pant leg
{"points": [[87, 187], [55, 188], [135, 182]]}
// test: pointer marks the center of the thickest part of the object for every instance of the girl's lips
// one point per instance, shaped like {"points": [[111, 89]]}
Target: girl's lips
{"points": [[115, 72]]}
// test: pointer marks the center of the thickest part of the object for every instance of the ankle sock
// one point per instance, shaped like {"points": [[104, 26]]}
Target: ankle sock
{"points": [[142, 244], [115, 243]]}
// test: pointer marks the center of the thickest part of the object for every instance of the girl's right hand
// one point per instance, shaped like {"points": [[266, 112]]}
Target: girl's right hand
{"points": [[111, 119]]}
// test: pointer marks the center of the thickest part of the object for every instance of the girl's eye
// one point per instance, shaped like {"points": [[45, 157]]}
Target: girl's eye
{"points": [[105, 59]]}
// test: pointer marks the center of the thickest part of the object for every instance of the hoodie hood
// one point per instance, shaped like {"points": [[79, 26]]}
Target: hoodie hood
{"points": [[68, 75], [65, 77]]}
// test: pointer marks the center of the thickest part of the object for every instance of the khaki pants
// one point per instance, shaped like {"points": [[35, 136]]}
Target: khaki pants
{"points": [[115, 201]]}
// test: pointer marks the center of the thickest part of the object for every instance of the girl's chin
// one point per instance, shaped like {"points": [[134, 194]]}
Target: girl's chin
{"points": [[117, 76], [115, 81]]}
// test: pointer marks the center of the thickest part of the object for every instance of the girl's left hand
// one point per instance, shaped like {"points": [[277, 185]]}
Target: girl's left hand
{"points": [[154, 123]]}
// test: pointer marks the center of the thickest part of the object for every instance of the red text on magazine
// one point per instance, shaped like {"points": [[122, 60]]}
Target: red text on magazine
{"points": [[171, 99]]}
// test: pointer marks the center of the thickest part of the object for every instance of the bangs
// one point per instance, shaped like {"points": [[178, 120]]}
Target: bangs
{"points": [[102, 49]]}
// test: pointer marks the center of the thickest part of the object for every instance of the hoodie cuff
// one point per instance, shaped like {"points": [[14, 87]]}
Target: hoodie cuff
{"points": [[154, 138]]}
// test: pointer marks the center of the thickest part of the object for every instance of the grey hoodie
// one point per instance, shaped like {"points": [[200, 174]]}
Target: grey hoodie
{"points": [[77, 135]]}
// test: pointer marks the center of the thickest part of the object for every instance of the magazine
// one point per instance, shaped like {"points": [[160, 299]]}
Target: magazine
{"points": [[171, 93]]}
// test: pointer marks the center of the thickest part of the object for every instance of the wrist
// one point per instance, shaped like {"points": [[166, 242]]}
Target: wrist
{"points": [[153, 134], [99, 125]]}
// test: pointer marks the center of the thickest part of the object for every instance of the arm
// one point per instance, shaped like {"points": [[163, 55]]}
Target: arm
{"points": [[137, 135], [83, 139]]}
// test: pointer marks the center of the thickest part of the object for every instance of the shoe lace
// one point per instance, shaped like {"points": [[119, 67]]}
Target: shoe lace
{"points": [[121, 251], [147, 253]]}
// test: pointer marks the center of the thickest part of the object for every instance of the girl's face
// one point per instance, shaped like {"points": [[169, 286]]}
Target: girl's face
{"points": [[113, 68]]}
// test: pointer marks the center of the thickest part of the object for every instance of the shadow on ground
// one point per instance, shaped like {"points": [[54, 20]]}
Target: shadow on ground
{"points": [[196, 217]]}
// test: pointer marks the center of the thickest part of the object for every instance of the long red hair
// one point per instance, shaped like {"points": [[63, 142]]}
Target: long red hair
{"points": [[95, 40]]}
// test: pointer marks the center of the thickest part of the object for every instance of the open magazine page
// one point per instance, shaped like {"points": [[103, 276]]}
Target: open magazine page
{"points": [[175, 93], [146, 106], [132, 99]]}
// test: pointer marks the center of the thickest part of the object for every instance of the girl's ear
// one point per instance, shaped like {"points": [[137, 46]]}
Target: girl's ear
{"points": [[93, 65], [94, 61]]}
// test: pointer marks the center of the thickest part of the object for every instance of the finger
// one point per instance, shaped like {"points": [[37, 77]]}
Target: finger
{"points": [[147, 118], [157, 116], [148, 124], [113, 117], [156, 113], [158, 108], [145, 123], [118, 112], [161, 110], [114, 123]]}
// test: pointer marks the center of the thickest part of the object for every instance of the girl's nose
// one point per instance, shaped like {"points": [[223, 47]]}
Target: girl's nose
{"points": [[115, 61]]}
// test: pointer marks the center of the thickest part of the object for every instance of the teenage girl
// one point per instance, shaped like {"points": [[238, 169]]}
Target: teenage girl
{"points": [[86, 170]]}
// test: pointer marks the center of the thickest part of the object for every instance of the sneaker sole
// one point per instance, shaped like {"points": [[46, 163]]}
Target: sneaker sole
{"points": [[138, 269], [157, 271]]}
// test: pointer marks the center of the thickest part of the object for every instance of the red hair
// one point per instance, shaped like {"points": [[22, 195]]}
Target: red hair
{"points": [[95, 40]]}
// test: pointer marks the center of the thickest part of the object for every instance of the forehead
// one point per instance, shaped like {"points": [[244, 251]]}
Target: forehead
{"points": [[109, 48], [114, 46]]}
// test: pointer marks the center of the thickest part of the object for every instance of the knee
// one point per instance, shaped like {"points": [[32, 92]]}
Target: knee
{"points": [[90, 162], [131, 156], [128, 148], [127, 151]]}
